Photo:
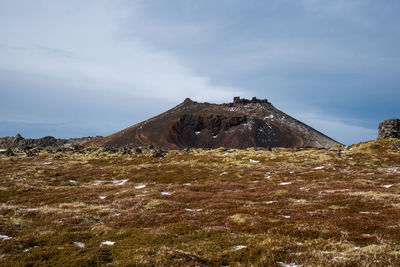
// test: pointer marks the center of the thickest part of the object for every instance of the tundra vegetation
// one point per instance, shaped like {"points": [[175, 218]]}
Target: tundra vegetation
{"points": [[305, 207]]}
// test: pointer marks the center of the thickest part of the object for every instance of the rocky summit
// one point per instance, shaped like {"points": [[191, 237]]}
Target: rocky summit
{"points": [[241, 124], [389, 128]]}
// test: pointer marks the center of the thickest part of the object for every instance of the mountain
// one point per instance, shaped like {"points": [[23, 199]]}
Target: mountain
{"points": [[241, 124]]}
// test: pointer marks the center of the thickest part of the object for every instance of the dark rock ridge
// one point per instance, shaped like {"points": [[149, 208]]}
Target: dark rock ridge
{"points": [[389, 128], [241, 124], [46, 142]]}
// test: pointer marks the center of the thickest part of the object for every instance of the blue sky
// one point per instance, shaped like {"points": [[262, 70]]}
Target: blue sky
{"points": [[79, 68]]}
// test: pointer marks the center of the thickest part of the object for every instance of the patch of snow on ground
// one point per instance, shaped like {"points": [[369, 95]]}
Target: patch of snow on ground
{"points": [[368, 212], [269, 117], [107, 243], [254, 161], [193, 210], [27, 249], [165, 193], [98, 182], [319, 168], [140, 186], [387, 185], [72, 181], [5, 237], [79, 244], [102, 197], [267, 176], [140, 195], [271, 202], [288, 264], [188, 184], [239, 247], [286, 216], [285, 183], [223, 173], [120, 182], [46, 163], [197, 133]]}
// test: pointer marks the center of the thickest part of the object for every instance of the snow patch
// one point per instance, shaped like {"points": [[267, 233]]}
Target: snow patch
{"points": [[79, 244], [107, 243], [319, 168], [288, 264], [368, 212], [165, 193], [27, 249], [285, 183], [193, 210], [197, 133], [239, 247], [387, 185], [102, 197], [254, 161], [120, 182], [140, 186], [5, 237], [269, 117]]}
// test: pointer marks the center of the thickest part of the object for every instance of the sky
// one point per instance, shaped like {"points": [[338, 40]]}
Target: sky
{"points": [[86, 68]]}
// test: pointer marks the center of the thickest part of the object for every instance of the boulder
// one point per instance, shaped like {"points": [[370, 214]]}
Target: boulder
{"points": [[389, 128]]}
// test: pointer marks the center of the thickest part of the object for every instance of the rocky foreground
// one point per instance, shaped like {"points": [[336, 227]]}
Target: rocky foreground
{"points": [[131, 206]]}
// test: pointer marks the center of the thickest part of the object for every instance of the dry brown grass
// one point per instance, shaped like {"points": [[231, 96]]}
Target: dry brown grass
{"points": [[245, 208]]}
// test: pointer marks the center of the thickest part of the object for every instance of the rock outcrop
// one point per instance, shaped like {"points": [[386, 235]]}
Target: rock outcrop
{"points": [[389, 128], [241, 124], [45, 142]]}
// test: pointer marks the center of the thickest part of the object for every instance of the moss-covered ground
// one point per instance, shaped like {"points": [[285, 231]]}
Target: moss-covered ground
{"points": [[203, 208]]}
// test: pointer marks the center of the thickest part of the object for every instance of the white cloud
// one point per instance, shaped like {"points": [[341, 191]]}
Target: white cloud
{"points": [[84, 48], [337, 128]]}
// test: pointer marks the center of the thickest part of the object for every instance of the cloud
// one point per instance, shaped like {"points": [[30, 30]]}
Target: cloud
{"points": [[339, 129], [92, 55]]}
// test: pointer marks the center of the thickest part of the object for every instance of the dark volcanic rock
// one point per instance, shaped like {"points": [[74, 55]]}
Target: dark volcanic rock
{"points": [[241, 124], [9, 152], [158, 153], [47, 142], [389, 128]]}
